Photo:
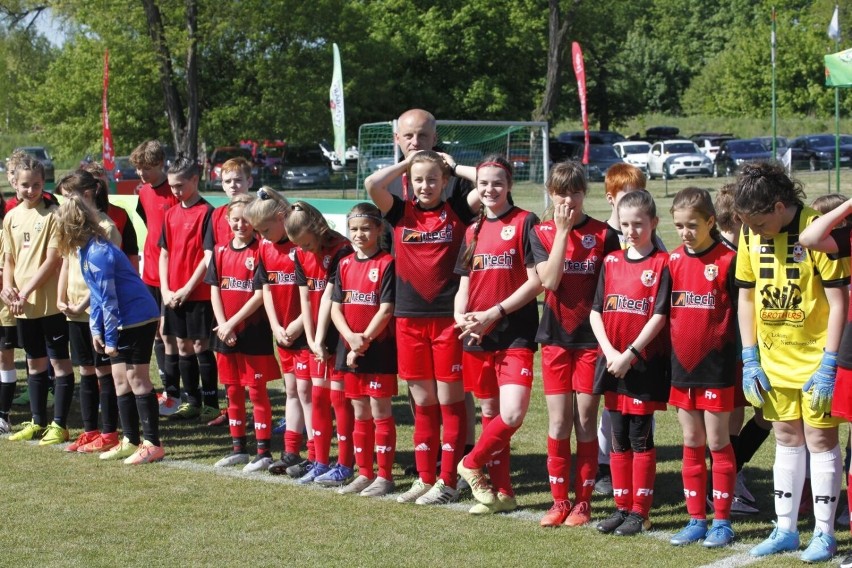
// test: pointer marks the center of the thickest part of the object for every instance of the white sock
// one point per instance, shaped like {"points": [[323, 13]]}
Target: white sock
{"points": [[604, 438], [10, 376], [826, 476], [789, 480]]}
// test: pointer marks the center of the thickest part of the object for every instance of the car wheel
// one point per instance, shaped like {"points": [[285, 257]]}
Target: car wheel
{"points": [[812, 164]]}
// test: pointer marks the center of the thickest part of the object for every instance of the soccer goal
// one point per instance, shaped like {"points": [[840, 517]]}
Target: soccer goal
{"points": [[467, 141]]}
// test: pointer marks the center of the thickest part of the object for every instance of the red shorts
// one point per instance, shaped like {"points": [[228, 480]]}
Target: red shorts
{"points": [[629, 405], [841, 405], [246, 370], [359, 385], [429, 349], [296, 362], [486, 371], [565, 370], [324, 369], [712, 400], [739, 398]]}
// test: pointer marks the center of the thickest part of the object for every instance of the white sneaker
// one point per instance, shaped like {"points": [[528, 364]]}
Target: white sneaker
{"points": [[258, 464], [168, 404], [741, 491], [5, 426], [440, 494], [357, 485], [232, 459], [417, 490], [379, 488]]}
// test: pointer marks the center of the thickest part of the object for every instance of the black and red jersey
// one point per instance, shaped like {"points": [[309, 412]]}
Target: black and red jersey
{"points": [[277, 269], [426, 246], [702, 317], [222, 232], [360, 287], [187, 232], [565, 317], [631, 291], [121, 218], [232, 270], [501, 257], [315, 270], [152, 206]]}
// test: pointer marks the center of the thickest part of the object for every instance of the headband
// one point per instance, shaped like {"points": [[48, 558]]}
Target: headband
{"points": [[364, 216], [495, 165]]}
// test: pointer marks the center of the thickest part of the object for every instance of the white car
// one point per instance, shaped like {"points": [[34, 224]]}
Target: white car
{"points": [[634, 153], [678, 158]]}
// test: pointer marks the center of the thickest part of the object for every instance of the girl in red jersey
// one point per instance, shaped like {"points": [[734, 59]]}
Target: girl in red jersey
{"points": [[703, 365], [569, 253], [243, 338], [362, 309], [277, 272], [495, 309], [428, 234], [628, 315], [320, 250]]}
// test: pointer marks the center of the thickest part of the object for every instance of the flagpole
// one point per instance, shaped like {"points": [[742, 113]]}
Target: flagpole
{"points": [[774, 108]]}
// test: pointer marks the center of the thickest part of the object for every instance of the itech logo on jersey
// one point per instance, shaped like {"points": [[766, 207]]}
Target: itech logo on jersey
{"points": [[781, 304], [621, 303], [580, 266], [688, 299], [487, 261], [279, 277], [415, 237], [231, 283], [360, 298], [316, 284]]}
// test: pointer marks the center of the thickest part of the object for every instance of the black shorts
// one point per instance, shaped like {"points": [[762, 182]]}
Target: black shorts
{"points": [[8, 337], [192, 320], [157, 294], [44, 337], [135, 344], [82, 350]]}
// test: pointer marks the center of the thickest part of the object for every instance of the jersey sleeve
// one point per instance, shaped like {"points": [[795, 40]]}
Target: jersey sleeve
{"points": [[163, 242], [396, 212], [611, 242], [834, 272], [745, 272], [104, 317], [841, 236], [335, 262], [460, 268], [208, 237], [53, 237], [337, 289], [458, 190], [597, 303], [212, 275], [664, 293], [388, 289], [140, 210], [129, 242], [261, 276], [529, 228], [7, 242], [301, 279], [539, 252]]}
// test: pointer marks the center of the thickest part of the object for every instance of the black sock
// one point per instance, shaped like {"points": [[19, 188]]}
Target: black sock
{"points": [[171, 375], [209, 374], [38, 385], [62, 399], [189, 374], [129, 417], [735, 443], [263, 448], [160, 355], [149, 415], [89, 401], [752, 437], [109, 404], [239, 444], [7, 395]]}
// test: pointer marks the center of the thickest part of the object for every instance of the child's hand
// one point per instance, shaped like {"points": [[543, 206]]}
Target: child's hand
{"points": [[98, 344], [358, 342], [479, 324], [320, 352], [62, 307], [281, 337], [563, 217], [17, 306], [179, 297], [74, 310], [351, 359], [225, 333], [620, 364], [168, 298], [110, 351]]}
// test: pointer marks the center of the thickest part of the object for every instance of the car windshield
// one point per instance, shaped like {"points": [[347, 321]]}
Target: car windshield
{"points": [[680, 148], [602, 152], [37, 153], [638, 148], [746, 146], [123, 164], [304, 156]]}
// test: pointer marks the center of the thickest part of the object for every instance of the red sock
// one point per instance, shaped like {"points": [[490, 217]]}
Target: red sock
{"points": [[427, 438], [452, 451], [321, 422], [344, 415], [363, 439], [494, 438], [385, 446], [312, 454], [621, 467], [262, 412], [500, 473], [558, 467], [644, 474], [695, 481], [292, 442], [724, 480], [237, 411], [587, 469]]}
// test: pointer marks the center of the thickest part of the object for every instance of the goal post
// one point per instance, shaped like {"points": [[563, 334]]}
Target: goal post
{"points": [[524, 144]]}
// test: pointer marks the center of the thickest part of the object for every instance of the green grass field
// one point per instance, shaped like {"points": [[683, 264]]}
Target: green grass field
{"points": [[74, 510]]}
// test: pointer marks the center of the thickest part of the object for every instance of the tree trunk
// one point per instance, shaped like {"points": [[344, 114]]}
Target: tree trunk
{"points": [[191, 133]]}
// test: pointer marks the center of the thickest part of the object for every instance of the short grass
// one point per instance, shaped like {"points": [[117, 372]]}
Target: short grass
{"points": [[73, 510]]}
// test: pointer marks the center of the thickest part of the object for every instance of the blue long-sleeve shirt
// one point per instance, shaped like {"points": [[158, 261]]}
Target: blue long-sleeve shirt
{"points": [[119, 298]]}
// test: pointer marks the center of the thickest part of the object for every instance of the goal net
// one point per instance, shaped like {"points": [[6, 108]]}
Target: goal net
{"points": [[467, 141]]}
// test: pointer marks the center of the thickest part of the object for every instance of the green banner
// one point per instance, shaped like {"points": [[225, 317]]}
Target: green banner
{"points": [[838, 69]]}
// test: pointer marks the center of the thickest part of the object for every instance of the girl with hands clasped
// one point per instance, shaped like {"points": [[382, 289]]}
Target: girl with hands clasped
{"points": [[495, 309]]}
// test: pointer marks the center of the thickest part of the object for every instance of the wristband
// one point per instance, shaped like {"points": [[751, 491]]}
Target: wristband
{"points": [[634, 351], [453, 168], [501, 309]]}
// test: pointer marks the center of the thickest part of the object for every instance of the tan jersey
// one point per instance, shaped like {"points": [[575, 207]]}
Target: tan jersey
{"points": [[6, 317], [77, 290], [28, 233]]}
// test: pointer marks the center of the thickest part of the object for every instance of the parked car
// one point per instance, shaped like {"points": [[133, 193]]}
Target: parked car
{"points": [[733, 153], [376, 157], [709, 142], [304, 166], [601, 157], [816, 152], [221, 155], [781, 142], [124, 170], [595, 136], [40, 154], [560, 151], [660, 133], [677, 158], [634, 153]]}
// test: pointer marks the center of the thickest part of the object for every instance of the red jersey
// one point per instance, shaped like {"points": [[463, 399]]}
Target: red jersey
{"points": [[426, 246], [186, 233], [843, 237], [121, 218], [703, 317], [232, 270], [222, 232], [565, 317], [631, 291], [314, 271], [360, 287], [152, 207], [500, 261], [277, 269]]}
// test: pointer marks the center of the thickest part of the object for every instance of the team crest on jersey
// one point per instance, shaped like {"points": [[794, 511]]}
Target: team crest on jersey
{"points": [[373, 275], [589, 241], [649, 278], [39, 226], [250, 262], [798, 253], [443, 215], [326, 261], [508, 233], [711, 272]]}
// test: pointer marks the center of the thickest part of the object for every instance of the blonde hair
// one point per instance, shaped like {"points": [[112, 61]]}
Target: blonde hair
{"points": [[76, 224], [268, 204], [303, 218], [240, 201], [826, 203], [726, 216]]}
